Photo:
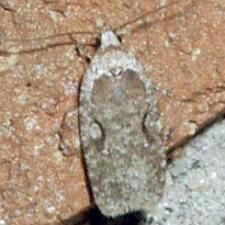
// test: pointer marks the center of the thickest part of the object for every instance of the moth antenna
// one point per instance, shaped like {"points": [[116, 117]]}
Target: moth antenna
{"points": [[54, 36], [119, 29], [39, 49], [44, 46]]}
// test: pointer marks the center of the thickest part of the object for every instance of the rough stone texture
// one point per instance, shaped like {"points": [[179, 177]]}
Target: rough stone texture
{"points": [[182, 46], [195, 188]]}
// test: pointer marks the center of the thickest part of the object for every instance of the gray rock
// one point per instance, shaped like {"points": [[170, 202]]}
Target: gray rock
{"points": [[195, 185]]}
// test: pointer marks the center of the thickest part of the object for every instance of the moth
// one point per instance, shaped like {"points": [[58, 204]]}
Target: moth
{"points": [[121, 131]]}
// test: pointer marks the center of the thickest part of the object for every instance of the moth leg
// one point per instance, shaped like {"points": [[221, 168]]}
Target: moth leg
{"points": [[84, 52]]}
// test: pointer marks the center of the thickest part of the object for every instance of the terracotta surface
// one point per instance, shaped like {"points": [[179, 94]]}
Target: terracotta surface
{"points": [[42, 180]]}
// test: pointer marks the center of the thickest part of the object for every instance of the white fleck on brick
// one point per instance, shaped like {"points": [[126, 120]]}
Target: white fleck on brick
{"points": [[51, 102], [77, 142], [7, 62], [30, 123], [70, 55], [22, 98], [195, 53], [192, 127], [162, 2], [40, 178], [58, 157], [70, 88], [2, 222], [36, 189], [40, 69], [49, 207], [167, 44], [18, 212], [54, 16], [172, 35], [37, 149], [60, 198]]}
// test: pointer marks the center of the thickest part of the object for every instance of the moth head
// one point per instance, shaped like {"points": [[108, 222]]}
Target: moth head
{"points": [[108, 38]]}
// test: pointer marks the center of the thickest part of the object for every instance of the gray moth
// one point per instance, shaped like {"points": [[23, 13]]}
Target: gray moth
{"points": [[121, 131]]}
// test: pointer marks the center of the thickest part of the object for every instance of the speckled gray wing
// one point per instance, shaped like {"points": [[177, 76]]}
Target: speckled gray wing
{"points": [[121, 134]]}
